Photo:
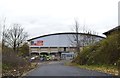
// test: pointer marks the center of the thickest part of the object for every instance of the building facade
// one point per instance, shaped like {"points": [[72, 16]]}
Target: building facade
{"points": [[60, 42]]}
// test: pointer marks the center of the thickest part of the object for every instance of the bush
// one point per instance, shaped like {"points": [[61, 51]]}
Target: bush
{"points": [[24, 50], [118, 67], [106, 51], [11, 61]]}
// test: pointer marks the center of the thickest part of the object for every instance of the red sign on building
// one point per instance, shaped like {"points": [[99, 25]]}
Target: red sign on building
{"points": [[37, 43]]}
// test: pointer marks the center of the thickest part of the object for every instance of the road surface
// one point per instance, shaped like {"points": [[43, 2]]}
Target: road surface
{"points": [[59, 69]]}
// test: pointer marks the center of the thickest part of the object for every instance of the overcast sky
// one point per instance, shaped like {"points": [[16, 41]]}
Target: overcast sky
{"points": [[40, 17]]}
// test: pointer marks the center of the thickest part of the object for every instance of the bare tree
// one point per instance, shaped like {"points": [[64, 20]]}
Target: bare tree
{"points": [[77, 37], [75, 40], [81, 40], [3, 31], [14, 36], [89, 37]]}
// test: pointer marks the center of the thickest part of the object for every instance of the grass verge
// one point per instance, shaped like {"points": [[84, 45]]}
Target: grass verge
{"points": [[101, 68]]}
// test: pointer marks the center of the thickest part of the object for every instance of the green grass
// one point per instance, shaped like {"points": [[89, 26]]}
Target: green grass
{"points": [[101, 68]]}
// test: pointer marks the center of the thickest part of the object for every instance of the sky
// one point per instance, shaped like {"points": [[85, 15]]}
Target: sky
{"points": [[40, 17]]}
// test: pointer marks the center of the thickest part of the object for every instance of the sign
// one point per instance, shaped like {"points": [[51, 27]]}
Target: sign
{"points": [[37, 43]]}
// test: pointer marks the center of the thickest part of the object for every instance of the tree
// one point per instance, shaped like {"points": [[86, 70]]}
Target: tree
{"points": [[77, 37], [24, 50], [3, 31], [14, 37], [75, 41], [89, 38], [81, 41]]}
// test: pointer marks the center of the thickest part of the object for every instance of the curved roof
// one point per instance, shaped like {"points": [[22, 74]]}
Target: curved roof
{"points": [[63, 33]]}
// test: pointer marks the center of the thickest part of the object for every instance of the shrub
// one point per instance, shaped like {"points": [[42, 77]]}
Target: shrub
{"points": [[11, 61], [106, 51]]}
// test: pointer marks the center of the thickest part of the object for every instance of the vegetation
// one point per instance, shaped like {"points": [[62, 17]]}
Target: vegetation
{"points": [[14, 52], [24, 50], [101, 68], [14, 36], [79, 41], [106, 52], [12, 64]]}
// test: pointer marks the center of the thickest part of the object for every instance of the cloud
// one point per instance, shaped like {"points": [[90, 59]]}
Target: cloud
{"points": [[49, 16]]}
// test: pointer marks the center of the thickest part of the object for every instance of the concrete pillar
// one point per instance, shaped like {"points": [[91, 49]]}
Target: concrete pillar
{"points": [[57, 48], [49, 50], [39, 50], [69, 49]]}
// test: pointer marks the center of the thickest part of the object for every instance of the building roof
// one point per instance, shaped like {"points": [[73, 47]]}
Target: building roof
{"points": [[63, 33], [112, 30]]}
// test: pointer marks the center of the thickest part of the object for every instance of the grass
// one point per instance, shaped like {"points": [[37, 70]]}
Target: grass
{"points": [[101, 68]]}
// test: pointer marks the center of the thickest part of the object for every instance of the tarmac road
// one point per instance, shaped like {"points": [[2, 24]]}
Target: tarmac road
{"points": [[59, 69]]}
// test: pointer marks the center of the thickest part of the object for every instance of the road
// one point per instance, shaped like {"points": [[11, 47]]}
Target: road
{"points": [[59, 69]]}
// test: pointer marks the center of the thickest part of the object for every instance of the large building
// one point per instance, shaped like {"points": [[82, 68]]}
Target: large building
{"points": [[60, 42]]}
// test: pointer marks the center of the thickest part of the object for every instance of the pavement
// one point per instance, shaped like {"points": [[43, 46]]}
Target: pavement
{"points": [[57, 68]]}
